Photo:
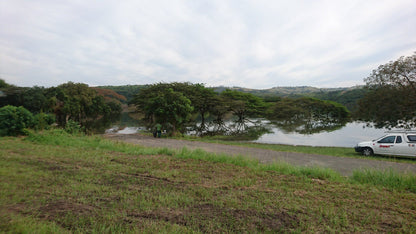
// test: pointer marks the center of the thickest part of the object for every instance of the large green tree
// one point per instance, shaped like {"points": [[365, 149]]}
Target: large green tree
{"points": [[202, 100], [35, 100], [143, 100], [162, 104], [391, 97], [77, 102]]}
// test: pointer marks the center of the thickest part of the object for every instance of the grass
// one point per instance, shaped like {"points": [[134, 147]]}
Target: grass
{"points": [[388, 178], [319, 150], [58, 183]]}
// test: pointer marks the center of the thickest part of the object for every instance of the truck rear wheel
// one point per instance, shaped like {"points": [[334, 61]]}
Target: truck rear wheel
{"points": [[368, 151]]}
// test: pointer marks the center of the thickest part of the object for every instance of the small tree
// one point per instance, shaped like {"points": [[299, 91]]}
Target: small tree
{"points": [[14, 120]]}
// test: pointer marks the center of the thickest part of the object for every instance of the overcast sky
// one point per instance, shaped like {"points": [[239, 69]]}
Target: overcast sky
{"points": [[247, 43]]}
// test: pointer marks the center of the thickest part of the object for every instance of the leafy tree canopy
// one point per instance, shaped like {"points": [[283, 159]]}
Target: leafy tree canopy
{"points": [[3, 84], [79, 102], [244, 104], [308, 115], [391, 98], [307, 109], [162, 104], [110, 95], [399, 74]]}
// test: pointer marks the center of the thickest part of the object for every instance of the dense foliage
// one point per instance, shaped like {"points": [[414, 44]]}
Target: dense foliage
{"points": [[170, 107], [127, 91], [244, 104], [179, 107], [173, 104], [345, 96], [308, 115], [307, 108], [391, 97], [168, 104], [70, 101], [15, 120], [157, 102]]}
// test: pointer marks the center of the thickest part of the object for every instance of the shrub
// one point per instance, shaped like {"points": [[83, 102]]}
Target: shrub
{"points": [[15, 120], [43, 121], [73, 127]]}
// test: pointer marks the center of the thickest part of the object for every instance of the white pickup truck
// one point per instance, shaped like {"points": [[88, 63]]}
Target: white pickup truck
{"points": [[402, 143]]}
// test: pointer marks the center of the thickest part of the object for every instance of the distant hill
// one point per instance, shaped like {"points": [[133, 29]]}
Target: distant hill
{"points": [[285, 91], [346, 96]]}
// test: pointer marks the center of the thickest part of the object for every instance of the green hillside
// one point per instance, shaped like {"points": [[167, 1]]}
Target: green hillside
{"points": [[345, 96]]}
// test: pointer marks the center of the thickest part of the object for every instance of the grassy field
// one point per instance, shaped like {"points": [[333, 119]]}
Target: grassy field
{"points": [[57, 183]]}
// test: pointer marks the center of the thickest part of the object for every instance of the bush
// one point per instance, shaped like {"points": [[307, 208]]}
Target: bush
{"points": [[15, 121], [73, 127], [43, 121]]}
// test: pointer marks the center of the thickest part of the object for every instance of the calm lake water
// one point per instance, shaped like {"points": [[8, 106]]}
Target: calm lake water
{"points": [[348, 136]]}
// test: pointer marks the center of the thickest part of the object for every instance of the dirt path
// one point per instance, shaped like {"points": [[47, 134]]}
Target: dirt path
{"points": [[343, 165]]}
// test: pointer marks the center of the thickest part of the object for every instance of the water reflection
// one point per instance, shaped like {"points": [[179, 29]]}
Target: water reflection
{"points": [[310, 126], [101, 125], [124, 130], [346, 136], [246, 129], [317, 133], [122, 124]]}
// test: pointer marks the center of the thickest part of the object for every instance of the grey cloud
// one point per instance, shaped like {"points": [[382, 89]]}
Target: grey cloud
{"points": [[257, 44]]}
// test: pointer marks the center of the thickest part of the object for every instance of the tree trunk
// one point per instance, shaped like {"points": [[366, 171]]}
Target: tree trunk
{"points": [[173, 129], [202, 121]]}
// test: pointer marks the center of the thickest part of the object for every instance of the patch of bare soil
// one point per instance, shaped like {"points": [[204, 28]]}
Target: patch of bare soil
{"points": [[343, 165], [237, 219], [56, 209]]}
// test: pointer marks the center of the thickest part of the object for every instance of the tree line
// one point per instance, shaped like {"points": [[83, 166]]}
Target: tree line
{"points": [[179, 106], [67, 105], [345, 96], [387, 100]]}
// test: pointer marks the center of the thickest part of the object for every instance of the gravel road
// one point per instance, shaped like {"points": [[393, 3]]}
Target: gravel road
{"points": [[343, 165]]}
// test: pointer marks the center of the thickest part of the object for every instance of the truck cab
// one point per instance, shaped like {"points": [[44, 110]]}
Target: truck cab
{"points": [[400, 143]]}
